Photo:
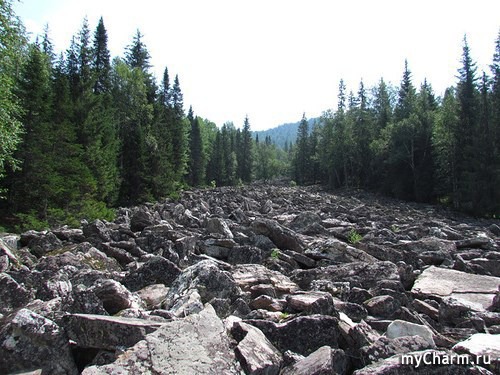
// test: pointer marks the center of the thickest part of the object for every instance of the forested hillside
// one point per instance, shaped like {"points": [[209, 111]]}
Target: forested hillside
{"points": [[83, 132], [283, 136]]}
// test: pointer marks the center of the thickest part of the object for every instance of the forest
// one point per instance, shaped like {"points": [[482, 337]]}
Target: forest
{"points": [[82, 133]]}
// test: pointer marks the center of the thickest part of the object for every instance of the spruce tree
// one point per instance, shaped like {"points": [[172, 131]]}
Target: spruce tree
{"points": [[12, 54], [101, 62], [467, 129], [246, 161], [302, 161], [196, 152]]}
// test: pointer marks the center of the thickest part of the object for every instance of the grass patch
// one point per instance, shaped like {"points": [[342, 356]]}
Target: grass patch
{"points": [[354, 237]]}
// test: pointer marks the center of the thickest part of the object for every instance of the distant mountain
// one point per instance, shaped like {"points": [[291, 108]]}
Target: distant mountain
{"points": [[282, 133]]}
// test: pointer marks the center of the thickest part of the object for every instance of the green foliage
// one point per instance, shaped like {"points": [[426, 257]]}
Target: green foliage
{"points": [[284, 316], [275, 254], [354, 237]]}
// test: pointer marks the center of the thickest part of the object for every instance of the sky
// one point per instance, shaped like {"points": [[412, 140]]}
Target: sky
{"points": [[273, 60]]}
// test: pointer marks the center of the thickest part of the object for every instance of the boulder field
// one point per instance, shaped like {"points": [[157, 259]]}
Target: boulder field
{"points": [[258, 279]]}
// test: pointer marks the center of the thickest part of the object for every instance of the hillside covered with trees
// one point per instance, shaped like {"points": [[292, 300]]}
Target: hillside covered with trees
{"points": [[83, 132]]}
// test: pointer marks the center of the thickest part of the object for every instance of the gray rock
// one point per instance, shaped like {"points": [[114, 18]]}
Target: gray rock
{"points": [[245, 255], [484, 347], [197, 344], [255, 352], [412, 363], [153, 295], [114, 296], [324, 361], [12, 294], [383, 306], [283, 238], [107, 332], [30, 341], [140, 220], [44, 244], [401, 328], [360, 274], [478, 290], [246, 276], [312, 303], [156, 270], [219, 226], [210, 281], [96, 233], [385, 347], [303, 334]]}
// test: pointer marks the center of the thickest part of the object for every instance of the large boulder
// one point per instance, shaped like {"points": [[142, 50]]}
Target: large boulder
{"points": [[197, 344], [303, 334], [255, 352], [29, 341], [211, 283], [359, 274], [438, 283], [249, 276], [12, 294], [156, 270], [107, 332], [484, 348], [401, 328], [324, 361], [283, 238]]}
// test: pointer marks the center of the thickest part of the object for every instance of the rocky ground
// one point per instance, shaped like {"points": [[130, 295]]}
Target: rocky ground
{"points": [[255, 280]]}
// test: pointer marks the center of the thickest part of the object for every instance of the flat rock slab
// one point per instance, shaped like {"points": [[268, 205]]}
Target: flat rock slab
{"points": [[197, 344], [478, 290], [107, 332], [483, 347]]}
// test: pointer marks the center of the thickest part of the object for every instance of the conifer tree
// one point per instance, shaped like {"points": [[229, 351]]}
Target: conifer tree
{"points": [[12, 53], [196, 152], [302, 161], [246, 160]]}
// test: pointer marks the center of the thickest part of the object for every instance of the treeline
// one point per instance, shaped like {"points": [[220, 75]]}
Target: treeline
{"points": [[87, 132], [410, 144]]}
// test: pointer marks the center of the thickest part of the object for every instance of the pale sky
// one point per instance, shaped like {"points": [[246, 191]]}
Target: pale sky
{"points": [[276, 59]]}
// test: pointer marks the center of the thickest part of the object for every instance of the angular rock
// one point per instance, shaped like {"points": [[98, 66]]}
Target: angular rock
{"points": [[413, 363], [324, 361], [29, 341], [401, 328], [267, 303], [255, 352], [283, 238], [156, 270], [312, 303], [359, 274], [114, 296], [338, 252], [245, 255], [12, 294], [153, 295], [208, 279], [96, 232], [440, 282], [43, 244], [484, 348], [303, 334], [247, 276], [195, 345], [140, 220], [219, 226], [384, 306], [386, 347], [107, 332]]}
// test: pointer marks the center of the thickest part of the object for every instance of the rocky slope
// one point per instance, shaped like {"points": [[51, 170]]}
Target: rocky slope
{"points": [[255, 280]]}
